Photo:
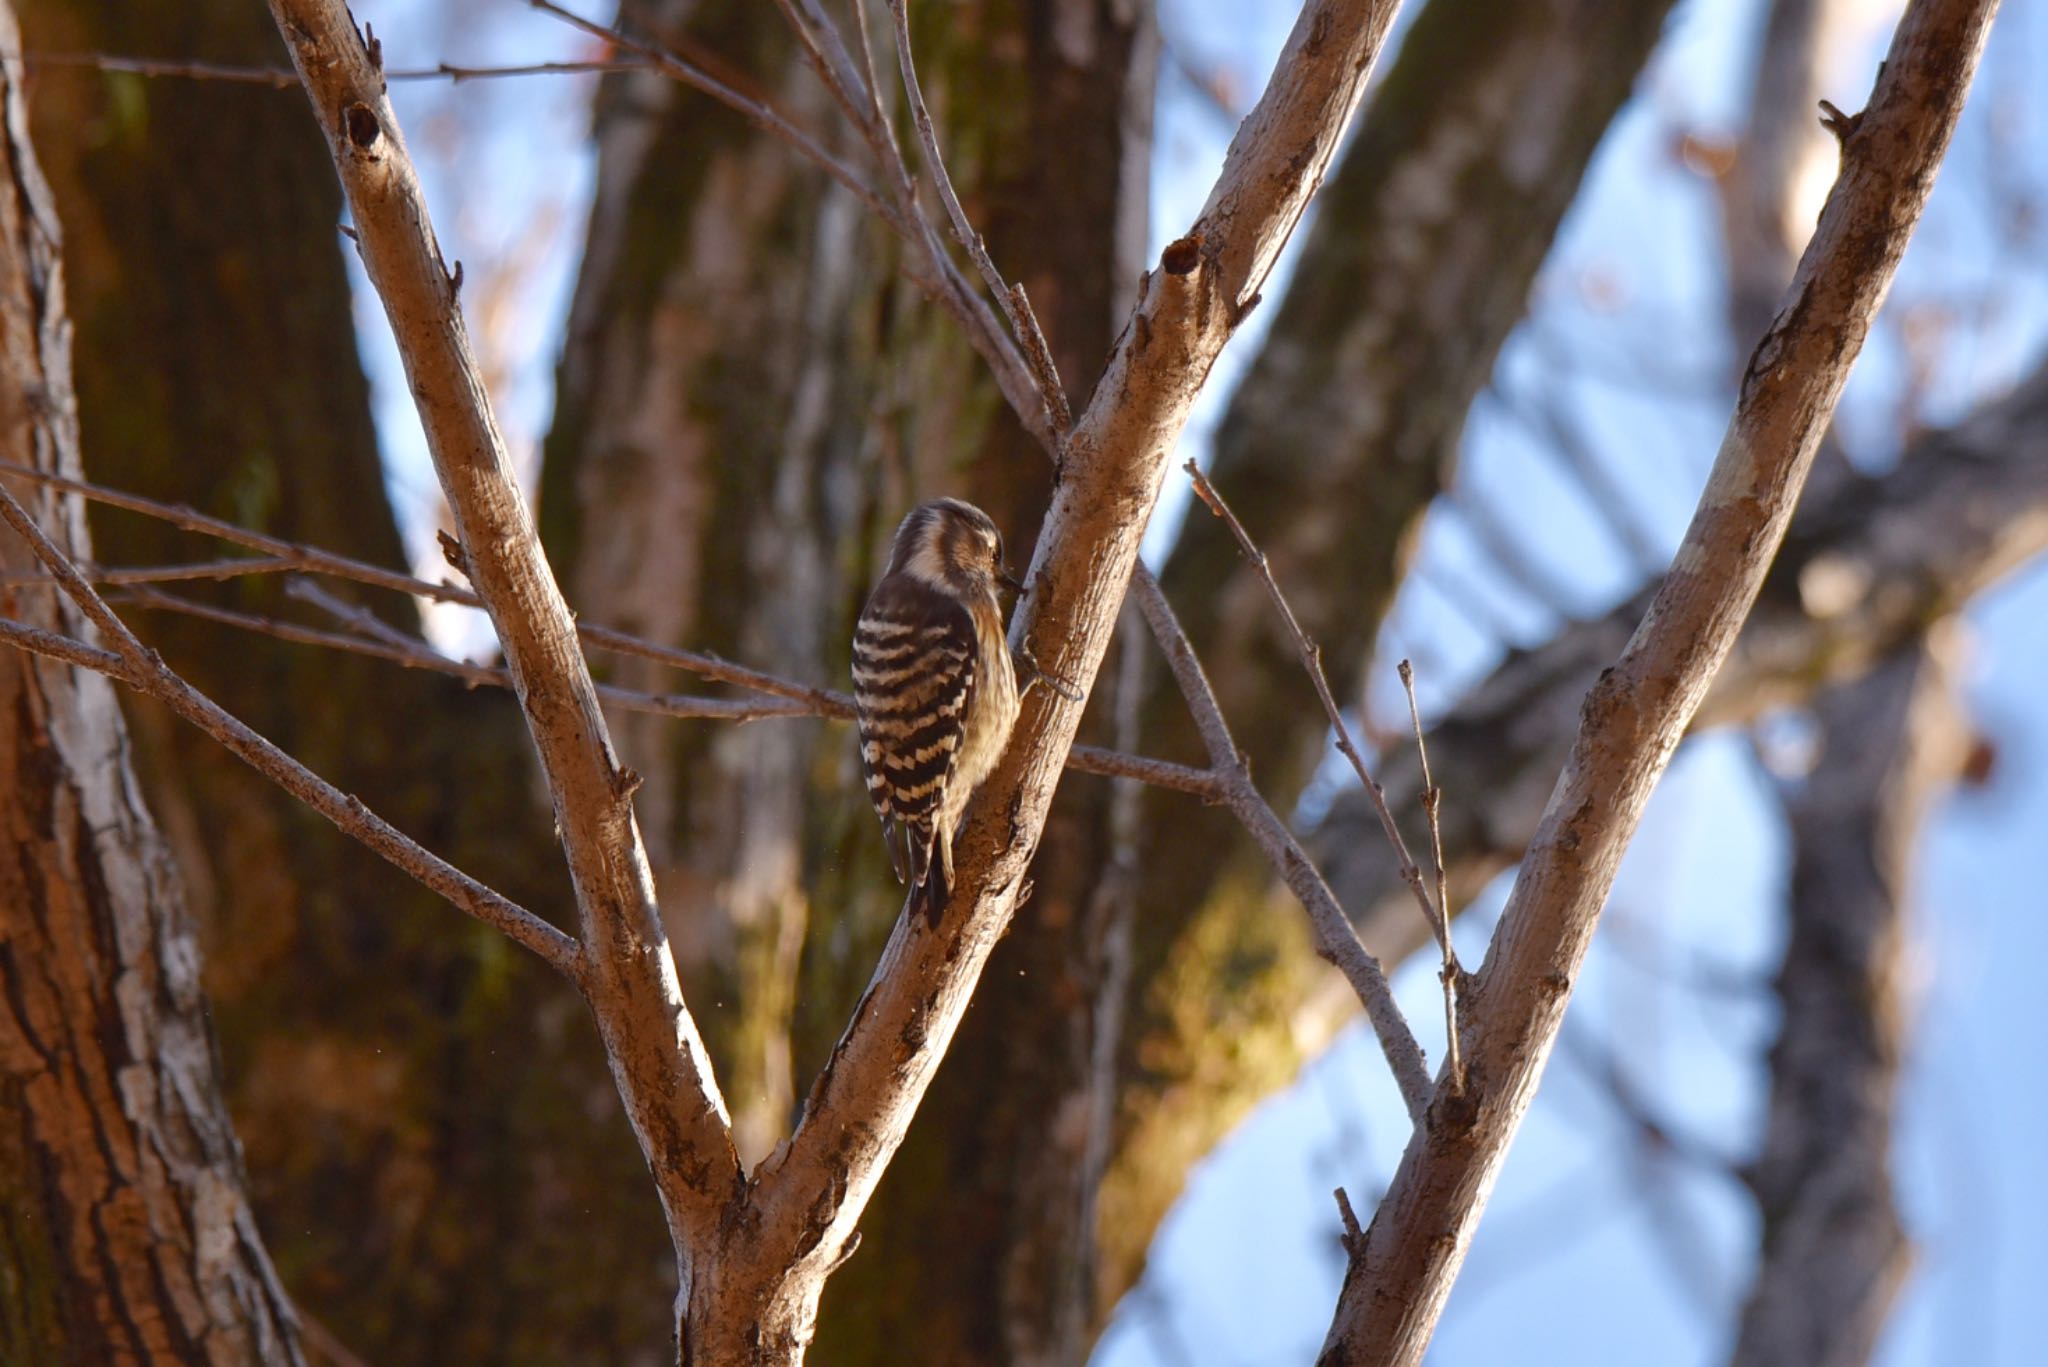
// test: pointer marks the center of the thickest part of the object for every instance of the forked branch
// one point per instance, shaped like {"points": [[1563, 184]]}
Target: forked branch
{"points": [[1336, 938]]}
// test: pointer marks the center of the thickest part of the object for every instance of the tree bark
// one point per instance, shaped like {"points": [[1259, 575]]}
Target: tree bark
{"points": [[128, 1236], [1834, 1253], [373, 1041]]}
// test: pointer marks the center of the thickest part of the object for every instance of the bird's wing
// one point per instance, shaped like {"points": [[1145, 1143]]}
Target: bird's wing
{"points": [[913, 682]]}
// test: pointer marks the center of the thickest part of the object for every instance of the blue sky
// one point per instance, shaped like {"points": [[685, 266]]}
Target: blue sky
{"points": [[1589, 1254]]}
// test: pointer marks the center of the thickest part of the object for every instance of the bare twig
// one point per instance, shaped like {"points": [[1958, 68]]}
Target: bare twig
{"points": [[759, 112], [1432, 807], [1336, 938], [816, 702], [1312, 661], [283, 78], [1353, 1236], [232, 568], [1059, 415], [1634, 716], [313, 560], [390, 644], [143, 670], [928, 264]]}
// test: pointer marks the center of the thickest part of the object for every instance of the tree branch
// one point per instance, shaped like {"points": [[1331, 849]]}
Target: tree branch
{"points": [[657, 1056], [283, 78], [291, 555], [1394, 1291], [1337, 940], [1312, 665]]}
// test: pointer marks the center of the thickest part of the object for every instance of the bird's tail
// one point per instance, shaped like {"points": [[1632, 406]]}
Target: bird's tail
{"points": [[931, 870]]}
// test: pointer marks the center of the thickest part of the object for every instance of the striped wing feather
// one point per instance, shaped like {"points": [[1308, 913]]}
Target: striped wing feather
{"points": [[913, 682]]}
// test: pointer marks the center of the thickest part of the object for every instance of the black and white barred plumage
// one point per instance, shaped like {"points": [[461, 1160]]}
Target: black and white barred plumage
{"points": [[934, 685]]}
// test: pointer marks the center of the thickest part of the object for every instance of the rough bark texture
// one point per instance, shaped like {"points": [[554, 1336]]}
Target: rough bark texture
{"points": [[1415, 270], [127, 1234], [1834, 1251], [1402, 1268], [430, 1131]]}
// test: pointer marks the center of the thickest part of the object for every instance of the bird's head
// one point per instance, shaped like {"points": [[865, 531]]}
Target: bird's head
{"points": [[952, 546]]}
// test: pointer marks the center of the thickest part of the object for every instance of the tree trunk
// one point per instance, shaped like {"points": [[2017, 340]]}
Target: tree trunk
{"points": [[1834, 1251], [128, 1236], [430, 1127]]}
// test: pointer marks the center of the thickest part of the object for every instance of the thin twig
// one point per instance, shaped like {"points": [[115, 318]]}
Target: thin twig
{"points": [[819, 702], [1312, 661], [1059, 415], [1353, 1236], [284, 78], [928, 265], [1450, 974], [838, 81], [143, 669], [233, 568], [1336, 938], [416, 654], [759, 112], [313, 560]]}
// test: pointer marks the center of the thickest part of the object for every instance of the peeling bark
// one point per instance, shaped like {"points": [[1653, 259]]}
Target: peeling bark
{"points": [[127, 1234]]}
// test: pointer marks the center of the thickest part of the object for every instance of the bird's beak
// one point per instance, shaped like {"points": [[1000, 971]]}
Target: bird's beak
{"points": [[1009, 580]]}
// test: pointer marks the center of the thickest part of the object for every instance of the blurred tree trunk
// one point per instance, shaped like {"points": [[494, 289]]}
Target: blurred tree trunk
{"points": [[127, 1235], [432, 1136], [1834, 1253]]}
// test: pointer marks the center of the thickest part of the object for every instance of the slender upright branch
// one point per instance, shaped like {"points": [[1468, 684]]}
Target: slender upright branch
{"points": [[1432, 808], [1059, 415], [1632, 720], [759, 112], [657, 1056], [1336, 938], [1312, 663]]}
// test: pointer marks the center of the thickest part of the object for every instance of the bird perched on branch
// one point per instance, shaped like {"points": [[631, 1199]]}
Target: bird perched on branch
{"points": [[934, 686]]}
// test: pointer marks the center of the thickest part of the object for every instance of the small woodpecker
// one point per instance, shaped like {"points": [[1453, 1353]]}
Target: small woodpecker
{"points": [[934, 686]]}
